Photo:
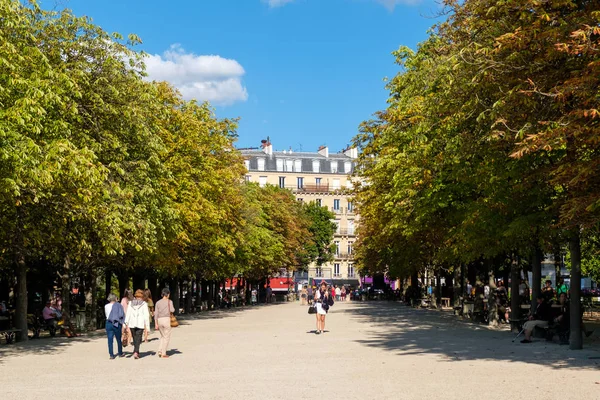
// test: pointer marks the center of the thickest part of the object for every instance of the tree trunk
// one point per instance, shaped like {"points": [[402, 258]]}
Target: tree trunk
{"points": [[123, 278], [557, 264], [174, 285], [153, 286], [139, 281], [515, 307], [576, 341], [90, 299], [456, 287], [21, 294], [438, 291], [188, 297], [66, 287], [107, 283], [536, 277]]}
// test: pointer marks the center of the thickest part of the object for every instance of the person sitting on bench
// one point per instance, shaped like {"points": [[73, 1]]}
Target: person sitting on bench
{"points": [[541, 318], [49, 315], [563, 320]]}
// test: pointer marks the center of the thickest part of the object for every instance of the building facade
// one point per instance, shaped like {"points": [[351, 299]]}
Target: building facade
{"points": [[320, 177]]}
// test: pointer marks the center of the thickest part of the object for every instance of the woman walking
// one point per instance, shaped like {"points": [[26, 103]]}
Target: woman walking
{"points": [[137, 320], [114, 324], [148, 300], [125, 300], [162, 321], [303, 295], [323, 300]]}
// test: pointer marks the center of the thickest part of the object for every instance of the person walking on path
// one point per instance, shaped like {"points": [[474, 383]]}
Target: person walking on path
{"points": [[303, 295], [323, 300], [125, 300], [115, 316], [148, 300], [162, 321], [137, 319]]}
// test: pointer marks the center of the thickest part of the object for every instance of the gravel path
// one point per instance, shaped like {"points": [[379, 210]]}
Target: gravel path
{"points": [[374, 350]]}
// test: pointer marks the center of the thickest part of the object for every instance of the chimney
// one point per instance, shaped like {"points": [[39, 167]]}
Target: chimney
{"points": [[324, 151], [351, 152], [267, 147]]}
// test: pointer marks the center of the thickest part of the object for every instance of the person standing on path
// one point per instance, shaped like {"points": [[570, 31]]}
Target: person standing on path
{"points": [[323, 300], [162, 321], [338, 293], [136, 320], [115, 316]]}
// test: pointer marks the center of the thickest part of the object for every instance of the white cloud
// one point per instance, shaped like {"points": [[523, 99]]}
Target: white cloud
{"points": [[277, 3], [201, 77]]}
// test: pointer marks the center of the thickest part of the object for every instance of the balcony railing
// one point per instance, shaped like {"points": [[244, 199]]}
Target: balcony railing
{"points": [[344, 255], [337, 275], [345, 232]]}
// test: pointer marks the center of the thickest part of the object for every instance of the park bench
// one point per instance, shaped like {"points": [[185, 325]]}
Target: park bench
{"points": [[9, 334]]}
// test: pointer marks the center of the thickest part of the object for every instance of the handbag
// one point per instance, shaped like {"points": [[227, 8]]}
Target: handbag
{"points": [[174, 322], [124, 338], [312, 309]]}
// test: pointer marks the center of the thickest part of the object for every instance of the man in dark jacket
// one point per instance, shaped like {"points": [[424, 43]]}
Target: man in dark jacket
{"points": [[541, 318]]}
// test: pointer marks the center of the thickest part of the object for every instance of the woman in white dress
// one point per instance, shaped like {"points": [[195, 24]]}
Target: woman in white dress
{"points": [[323, 301]]}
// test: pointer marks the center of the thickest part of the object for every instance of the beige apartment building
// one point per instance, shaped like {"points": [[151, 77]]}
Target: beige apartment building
{"points": [[322, 177]]}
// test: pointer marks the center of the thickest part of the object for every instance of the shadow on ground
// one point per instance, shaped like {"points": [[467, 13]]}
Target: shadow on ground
{"points": [[408, 331], [55, 345]]}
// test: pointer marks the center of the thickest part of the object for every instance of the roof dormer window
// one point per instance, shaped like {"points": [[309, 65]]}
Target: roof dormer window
{"points": [[261, 164]]}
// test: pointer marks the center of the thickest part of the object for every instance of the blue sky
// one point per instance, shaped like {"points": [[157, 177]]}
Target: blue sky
{"points": [[304, 72]]}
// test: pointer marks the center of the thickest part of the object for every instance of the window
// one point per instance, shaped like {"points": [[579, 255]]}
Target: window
{"points": [[349, 184], [298, 165], [289, 165], [282, 182], [262, 181], [334, 167], [350, 227], [350, 247], [336, 204], [350, 206], [279, 164], [336, 184], [318, 182], [337, 226], [319, 202], [300, 200], [337, 247], [318, 272], [300, 183], [336, 270], [247, 178], [347, 167], [261, 164], [316, 166], [247, 164], [350, 271]]}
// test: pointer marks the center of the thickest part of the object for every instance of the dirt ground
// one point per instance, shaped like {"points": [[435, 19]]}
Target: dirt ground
{"points": [[374, 350]]}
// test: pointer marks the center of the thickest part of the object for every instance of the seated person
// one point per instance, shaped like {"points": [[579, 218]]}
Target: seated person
{"points": [[541, 318], [548, 292], [502, 302], [563, 320], [49, 314]]}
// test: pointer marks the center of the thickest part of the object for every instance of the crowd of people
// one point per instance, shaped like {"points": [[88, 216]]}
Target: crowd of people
{"points": [[129, 321]]}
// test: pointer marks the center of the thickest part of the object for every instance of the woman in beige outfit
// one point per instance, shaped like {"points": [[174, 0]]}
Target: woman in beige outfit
{"points": [[162, 321]]}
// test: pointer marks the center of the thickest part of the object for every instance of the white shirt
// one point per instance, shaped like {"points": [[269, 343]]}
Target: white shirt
{"points": [[338, 292], [137, 316], [108, 309]]}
